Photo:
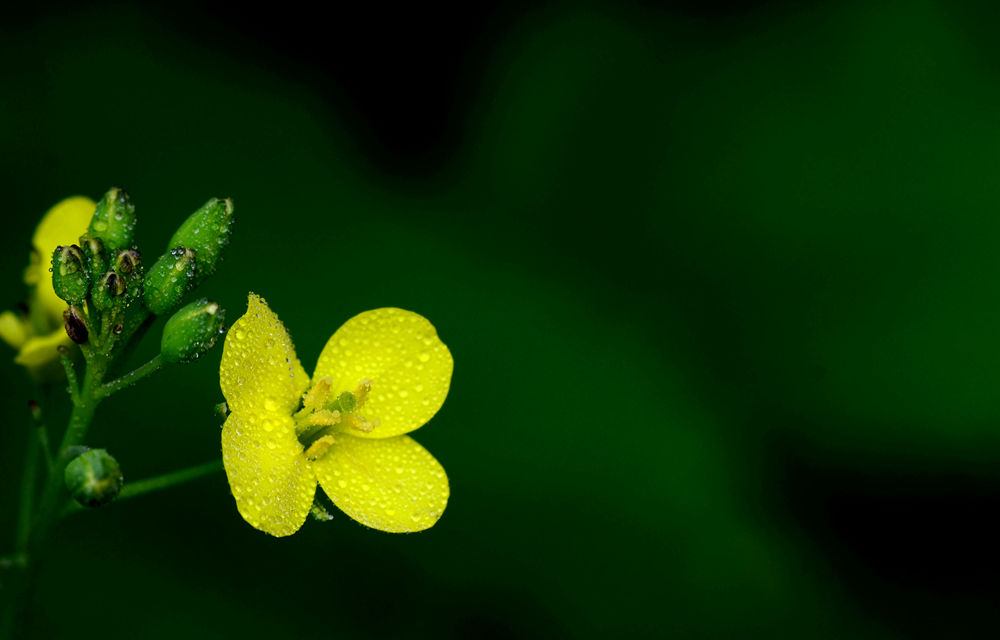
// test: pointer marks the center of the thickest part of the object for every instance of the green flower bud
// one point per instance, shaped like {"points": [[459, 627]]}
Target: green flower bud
{"points": [[96, 255], [114, 220], [94, 478], [69, 274], [169, 280], [76, 328], [192, 331], [207, 231], [109, 288]]}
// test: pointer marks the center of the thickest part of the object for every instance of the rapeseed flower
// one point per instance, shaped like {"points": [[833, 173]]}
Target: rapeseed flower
{"points": [[383, 374], [38, 332]]}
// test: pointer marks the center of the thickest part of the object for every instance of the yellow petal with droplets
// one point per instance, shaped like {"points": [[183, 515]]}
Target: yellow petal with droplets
{"points": [[400, 352], [63, 224], [272, 482], [259, 369], [392, 484], [41, 350]]}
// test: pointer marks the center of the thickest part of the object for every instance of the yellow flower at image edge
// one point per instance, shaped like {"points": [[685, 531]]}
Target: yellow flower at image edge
{"points": [[39, 333], [383, 374]]}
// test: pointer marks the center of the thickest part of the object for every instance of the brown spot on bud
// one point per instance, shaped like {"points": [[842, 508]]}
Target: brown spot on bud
{"points": [[70, 259], [76, 328], [114, 284], [127, 261]]}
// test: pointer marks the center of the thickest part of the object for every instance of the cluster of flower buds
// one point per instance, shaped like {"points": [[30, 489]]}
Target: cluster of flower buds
{"points": [[110, 293]]}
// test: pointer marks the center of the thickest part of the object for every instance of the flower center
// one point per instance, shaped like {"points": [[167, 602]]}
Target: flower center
{"points": [[322, 417]]}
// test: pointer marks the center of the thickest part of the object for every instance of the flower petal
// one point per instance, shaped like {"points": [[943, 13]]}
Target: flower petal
{"points": [[41, 350], [13, 329], [400, 352], [62, 224], [259, 369], [273, 483], [392, 484]]}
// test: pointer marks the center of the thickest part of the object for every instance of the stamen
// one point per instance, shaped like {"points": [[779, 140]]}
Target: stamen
{"points": [[323, 417], [359, 423], [316, 397], [361, 393], [319, 447]]}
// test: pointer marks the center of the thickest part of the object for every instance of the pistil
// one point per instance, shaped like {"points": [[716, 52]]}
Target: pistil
{"points": [[320, 417]]}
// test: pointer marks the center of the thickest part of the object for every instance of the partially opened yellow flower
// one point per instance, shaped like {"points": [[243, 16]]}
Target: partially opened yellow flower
{"points": [[383, 374], [38, 333]]}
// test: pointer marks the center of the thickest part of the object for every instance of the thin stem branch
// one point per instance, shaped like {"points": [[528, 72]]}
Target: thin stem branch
{"points": [[28, 483], [167, 480], [130, 378], [42, 435], [74, 385], [156, 483]]}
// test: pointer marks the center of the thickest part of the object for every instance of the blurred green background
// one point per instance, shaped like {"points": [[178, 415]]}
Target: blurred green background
{"points": [[719, 281]]}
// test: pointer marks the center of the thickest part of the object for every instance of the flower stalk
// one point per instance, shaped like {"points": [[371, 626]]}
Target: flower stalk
{"points": [[98, 302]]}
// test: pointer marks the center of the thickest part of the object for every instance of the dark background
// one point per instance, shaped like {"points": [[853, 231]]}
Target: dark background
{"points": [[720, 282]]}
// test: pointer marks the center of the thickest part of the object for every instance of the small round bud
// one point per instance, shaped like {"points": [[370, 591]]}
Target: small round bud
{"points": [[114, 220], [94, 478], [76, 328], [169, 280], [69, 275], [207, 232], [192, 331]]}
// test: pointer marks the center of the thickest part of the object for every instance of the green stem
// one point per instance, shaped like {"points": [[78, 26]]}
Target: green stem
{"points": [[31, 541], [156, 483], [130, 378], [42, 435], [28, 483], [74, 385], [79, 421], [167, 480]]}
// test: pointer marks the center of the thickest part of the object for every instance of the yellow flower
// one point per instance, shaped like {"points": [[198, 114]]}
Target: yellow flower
{"points": [[383, 374], [37, 334]]}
